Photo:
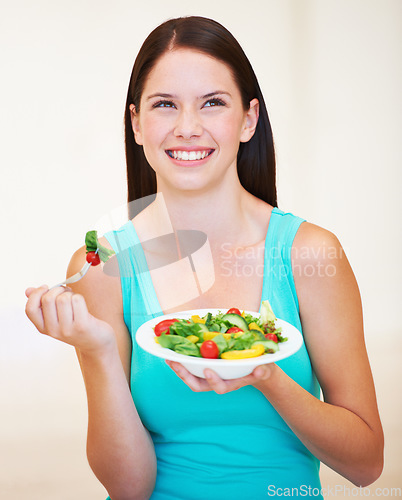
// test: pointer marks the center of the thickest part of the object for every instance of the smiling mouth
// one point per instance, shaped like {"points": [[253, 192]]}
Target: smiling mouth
{"points": [[189, 155]]}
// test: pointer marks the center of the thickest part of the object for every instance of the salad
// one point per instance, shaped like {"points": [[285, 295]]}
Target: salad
{"points": [[95, 252], [227, 335]]}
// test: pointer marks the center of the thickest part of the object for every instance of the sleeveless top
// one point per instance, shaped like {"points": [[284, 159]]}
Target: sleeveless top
{"points": [[208, 446]]}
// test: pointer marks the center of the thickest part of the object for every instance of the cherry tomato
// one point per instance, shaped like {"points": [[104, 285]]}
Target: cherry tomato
{"points": [[209, 349], [163, 326], [272, 336], [234, 329], [234, 310], [93, 258]]}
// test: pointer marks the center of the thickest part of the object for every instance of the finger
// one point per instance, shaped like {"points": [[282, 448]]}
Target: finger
{"points": [[80, 311], [49, 308], [215, 383], [221, 386], [65, 312], [196, 384], [33, 308], [31, 289]]}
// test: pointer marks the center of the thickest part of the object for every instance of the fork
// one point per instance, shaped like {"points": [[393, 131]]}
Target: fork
{"points": [[77, 276]]}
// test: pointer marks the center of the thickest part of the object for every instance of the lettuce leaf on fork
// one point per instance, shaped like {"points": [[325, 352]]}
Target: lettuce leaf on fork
{"points": [[92, 245]]}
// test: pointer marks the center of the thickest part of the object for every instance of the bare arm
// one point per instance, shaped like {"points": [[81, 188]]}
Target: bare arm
{"points": [[120, 450], [343, 431]]}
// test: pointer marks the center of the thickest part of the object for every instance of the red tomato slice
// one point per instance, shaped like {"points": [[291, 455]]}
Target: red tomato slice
{"points": [[234, 310], [234, 329], [209, 349], [272, 336], [163, 326]]}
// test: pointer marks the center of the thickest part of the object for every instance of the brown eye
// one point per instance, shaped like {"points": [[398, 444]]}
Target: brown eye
{"points": [[163, 104], [214, 102]]}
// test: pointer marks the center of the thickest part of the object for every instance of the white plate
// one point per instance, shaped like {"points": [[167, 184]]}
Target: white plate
{"points": [[225, 368]]}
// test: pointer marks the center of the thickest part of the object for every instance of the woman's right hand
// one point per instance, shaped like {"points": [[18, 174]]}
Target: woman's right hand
{"points": [[63, 315]]}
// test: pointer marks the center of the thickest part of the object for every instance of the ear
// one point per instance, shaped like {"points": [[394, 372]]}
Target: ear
{"points": [[251, 120], [135, 125]]}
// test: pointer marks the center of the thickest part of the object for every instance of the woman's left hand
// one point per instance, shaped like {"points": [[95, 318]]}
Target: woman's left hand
{"points": [[213, 382]]}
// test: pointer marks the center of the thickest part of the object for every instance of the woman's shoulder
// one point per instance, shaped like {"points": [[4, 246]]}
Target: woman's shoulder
{"points": [[316, 251], [314, 236]]}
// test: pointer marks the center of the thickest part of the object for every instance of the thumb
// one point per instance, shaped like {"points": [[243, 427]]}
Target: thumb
{"points": [[262, 372], [29, 290]]}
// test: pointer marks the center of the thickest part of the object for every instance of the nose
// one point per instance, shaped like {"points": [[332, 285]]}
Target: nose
{"points": [[188, 124]]}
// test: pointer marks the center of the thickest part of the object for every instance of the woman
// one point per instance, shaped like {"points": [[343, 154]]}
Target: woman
{"points": [[198, 134]]}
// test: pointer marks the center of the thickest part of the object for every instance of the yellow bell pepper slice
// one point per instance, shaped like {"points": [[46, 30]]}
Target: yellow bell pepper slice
{"points": [[196, 319], [236, 335], [254, 326], [193, 338], [210, 335], [255, 351]]}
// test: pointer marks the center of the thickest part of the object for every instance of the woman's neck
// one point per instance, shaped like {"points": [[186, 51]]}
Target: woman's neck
{"points": [[232, 216]]}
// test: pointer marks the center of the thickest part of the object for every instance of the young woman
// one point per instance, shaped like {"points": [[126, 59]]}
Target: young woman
{"points": [[198, 135]]}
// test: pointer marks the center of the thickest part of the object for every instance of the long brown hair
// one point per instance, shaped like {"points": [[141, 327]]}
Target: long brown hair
{"points": [[255, 158]]}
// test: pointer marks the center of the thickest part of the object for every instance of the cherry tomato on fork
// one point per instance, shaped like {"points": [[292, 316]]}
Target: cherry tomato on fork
{"points": [[93, 258], [163, 326]]}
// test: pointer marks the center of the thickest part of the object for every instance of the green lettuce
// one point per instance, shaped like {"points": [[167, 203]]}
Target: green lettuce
{"points": [[92, 245], [179, 344], [267, 314]]}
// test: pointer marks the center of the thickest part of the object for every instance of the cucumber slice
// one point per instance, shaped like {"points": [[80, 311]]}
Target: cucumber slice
{"points": [[202, 327], [259, 335], [236, 320], [269, 345]]}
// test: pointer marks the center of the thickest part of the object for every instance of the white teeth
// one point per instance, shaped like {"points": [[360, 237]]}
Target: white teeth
{"points": [[189, 155]]}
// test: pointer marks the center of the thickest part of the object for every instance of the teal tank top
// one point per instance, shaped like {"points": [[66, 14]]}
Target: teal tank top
{"points": [[233, 446]]}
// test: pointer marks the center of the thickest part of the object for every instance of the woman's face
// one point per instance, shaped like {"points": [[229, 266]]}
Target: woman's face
{"points": [[191, 121]]}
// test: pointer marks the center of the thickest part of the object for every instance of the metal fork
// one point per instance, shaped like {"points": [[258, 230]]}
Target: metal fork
{"points": [[74, 277], [77, 276]]}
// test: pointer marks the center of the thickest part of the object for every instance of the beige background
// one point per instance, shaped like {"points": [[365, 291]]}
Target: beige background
{"points": [[331, 74]]}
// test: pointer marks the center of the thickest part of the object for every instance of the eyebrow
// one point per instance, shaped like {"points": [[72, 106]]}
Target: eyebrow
{"points": [[172, 96]]}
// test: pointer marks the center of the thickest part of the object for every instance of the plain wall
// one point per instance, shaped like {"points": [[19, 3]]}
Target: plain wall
{"points": [[331, 74]]}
